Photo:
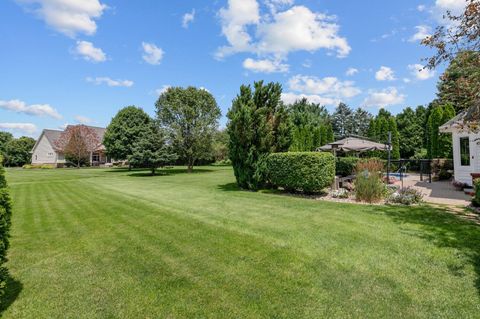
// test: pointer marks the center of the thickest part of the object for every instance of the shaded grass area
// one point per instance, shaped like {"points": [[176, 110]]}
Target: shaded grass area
{"points": [[96, 243]]}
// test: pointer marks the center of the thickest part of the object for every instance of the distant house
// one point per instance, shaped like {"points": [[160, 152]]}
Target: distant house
{"points": [[45, 150], [466, 149]]}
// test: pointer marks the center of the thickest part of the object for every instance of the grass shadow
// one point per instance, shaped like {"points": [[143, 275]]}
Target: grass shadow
{"points": [[230, 187], [167, 172], [444, 230], [12, 291]]}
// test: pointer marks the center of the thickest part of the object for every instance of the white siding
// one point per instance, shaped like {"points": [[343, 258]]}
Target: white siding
{"points": [[44, 152], [462, 173]]}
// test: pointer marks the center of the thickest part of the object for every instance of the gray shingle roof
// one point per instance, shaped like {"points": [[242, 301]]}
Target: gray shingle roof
{"points": [[53, 135]]}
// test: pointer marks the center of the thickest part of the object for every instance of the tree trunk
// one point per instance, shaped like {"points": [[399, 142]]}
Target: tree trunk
{"points": [[153, 171], [129, 166], [190, 165], [78, 163]]}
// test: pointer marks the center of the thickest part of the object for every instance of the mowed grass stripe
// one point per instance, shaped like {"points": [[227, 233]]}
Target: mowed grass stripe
{"points": [[182, 246]]}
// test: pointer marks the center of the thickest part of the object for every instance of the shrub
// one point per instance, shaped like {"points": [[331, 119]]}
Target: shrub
{"points": [[368, 183], [476, 195], [340, 193], [345, 166], [5, 214], [406, 196], [309, 172]]}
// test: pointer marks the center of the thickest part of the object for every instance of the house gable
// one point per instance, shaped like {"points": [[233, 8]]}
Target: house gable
{"points": [[43, 152]]}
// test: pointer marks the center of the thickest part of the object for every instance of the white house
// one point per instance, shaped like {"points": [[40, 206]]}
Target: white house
{"points": [[466, 149], [45, 150]]}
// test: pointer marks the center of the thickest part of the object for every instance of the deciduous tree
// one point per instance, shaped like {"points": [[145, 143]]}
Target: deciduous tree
{"points": [[124, 130], [77, 143], [190, 118], [17, 151]]}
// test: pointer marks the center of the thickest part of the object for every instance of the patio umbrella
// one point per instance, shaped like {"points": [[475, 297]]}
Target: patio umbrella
{"points": [[353, 144]]}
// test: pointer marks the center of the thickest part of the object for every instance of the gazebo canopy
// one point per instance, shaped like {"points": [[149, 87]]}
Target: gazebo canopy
{"points": [[353, 144]]}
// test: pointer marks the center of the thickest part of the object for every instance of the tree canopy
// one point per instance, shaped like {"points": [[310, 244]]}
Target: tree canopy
{"points": [[150, 150], [190, 118], [124, 130], [77, 142], [17, 151], [411, 129]]}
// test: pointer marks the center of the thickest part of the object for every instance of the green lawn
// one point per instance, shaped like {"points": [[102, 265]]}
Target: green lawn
{"points": [[97, 243]]}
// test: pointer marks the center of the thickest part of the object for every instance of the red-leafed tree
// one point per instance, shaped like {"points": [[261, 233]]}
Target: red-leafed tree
{"points": [[77, 142]]}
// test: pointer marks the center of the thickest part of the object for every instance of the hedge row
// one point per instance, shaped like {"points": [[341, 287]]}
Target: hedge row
{"points": [[308, 172], [5, 214]]}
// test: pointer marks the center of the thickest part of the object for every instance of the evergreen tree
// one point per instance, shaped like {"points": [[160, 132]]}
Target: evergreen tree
{"points": [[150, 150], [439, 144], [411, 129], [258, 125], [309, 121], [342, 120], [361, 120]]}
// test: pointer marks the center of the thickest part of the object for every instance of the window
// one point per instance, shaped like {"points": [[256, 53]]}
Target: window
{"points": [[464, 151], [95, 157]]}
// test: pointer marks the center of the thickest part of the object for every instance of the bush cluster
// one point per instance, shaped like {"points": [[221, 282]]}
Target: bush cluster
{"points": [[369, 185], [308, 172], [345, 166], [476, 195], [406, 196], [5, 214]]}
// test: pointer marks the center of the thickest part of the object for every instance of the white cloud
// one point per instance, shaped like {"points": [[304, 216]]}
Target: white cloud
{"points": [[331, 87], [265, 66], [385, 74], [110, 82], [351, 72], [420, 72], [68, 16], [188, 18], [421, 7], [423, 31], [290, 98], [152, 53], [278, 33], [451, 5], [89, 52], [34, 109], [27, 128], [406, 80], [384, 98], [163, 89], [275, 5], [83, 119]]}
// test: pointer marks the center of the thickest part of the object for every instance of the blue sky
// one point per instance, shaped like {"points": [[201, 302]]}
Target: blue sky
{"points": [[80, 61]]}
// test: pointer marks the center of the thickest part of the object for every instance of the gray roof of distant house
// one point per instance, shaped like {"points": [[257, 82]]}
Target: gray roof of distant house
{"points": [[53, 135]]}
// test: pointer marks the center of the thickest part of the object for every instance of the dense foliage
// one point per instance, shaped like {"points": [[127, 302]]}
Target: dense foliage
{"points": [[369, 185], [476, 195], [190, 118], [17, 151], [150, 150], [258, 125], [124, 131], [411, 130], [220, 146], [311, 126], [5, 137], [5, 215], [345, 166], [378, 130], [309, 172], [439, 145]]}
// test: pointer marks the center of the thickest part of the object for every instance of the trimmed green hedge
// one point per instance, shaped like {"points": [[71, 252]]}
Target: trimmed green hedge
{"points": [[5, 214], [345, 166], [309, 172]]}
